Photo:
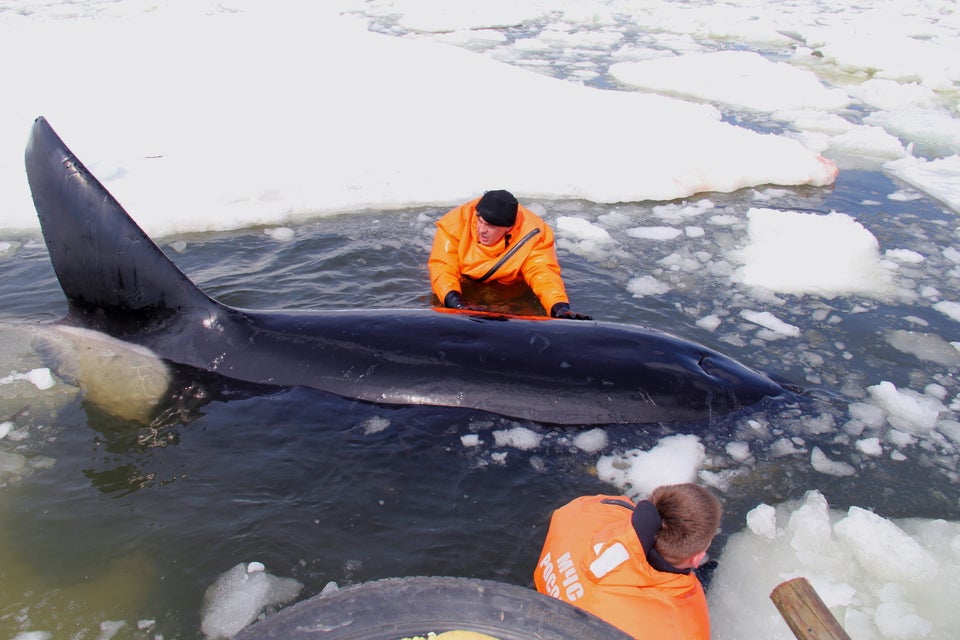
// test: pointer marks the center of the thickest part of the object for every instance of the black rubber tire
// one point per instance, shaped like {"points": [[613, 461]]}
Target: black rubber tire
{"points": [[396, 608]]}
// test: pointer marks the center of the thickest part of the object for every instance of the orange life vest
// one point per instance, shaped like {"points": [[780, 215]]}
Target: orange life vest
{"points": [[526, 254], [593, 559]]}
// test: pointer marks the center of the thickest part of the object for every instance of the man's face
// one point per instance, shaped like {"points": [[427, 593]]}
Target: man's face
{"points": [[489, 234]]}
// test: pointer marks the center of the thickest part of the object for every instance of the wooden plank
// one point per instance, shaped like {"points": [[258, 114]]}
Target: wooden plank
{"points": [[806, 614]]}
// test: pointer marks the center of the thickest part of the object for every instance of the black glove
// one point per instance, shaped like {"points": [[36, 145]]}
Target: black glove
{"points": [[454, 300], [562, 310]]}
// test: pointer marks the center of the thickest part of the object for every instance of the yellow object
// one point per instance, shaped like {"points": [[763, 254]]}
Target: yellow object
{"points": [[454, 635]]}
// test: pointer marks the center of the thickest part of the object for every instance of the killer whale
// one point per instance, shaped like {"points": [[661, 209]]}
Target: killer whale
{"points": [[119, 282]]}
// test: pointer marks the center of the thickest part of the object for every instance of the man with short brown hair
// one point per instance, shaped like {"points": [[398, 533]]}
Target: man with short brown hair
{"points": [[631, 564]]}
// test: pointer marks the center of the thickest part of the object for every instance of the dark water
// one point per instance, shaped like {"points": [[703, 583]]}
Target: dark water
{"points": [[135, 522]]}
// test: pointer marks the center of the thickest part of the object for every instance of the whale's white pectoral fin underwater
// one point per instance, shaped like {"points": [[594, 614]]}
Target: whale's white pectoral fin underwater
{"points": [[123, 379], [119, 282]]}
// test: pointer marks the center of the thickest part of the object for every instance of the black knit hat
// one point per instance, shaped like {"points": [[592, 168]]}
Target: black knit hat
{"points": [[498, 208]]}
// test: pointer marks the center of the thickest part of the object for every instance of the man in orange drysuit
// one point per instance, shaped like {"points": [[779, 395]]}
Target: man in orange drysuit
{"points": [[495, 239], [632, 564]]}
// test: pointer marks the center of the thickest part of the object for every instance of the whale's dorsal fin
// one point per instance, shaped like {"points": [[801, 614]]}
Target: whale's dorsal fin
{"points": [[105, 263]]}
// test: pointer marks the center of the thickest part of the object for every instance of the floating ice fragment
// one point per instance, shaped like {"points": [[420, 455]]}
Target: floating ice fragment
{"points": [[110, 628], [40, 378], [375, 424], [646, 286], [654, 233], [710, 322], [581, 229], [769, 321], [825, 465], [739, 451], [926, 346], [591, 441], [518, 437], [870, 446], [949, 308], [239, 596], [904, 255], [899, 620], [907, 409], [281, 234], [885, 550], [762, 520], [673, 460], [781, 243]]}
